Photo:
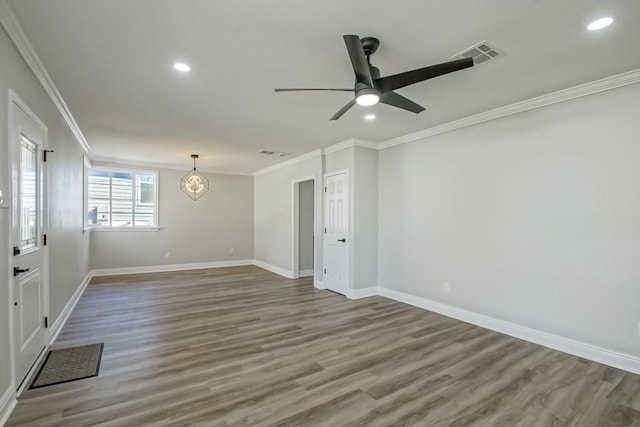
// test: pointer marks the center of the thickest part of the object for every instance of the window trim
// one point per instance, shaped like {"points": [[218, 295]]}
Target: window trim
{"points": [[122, 169]]}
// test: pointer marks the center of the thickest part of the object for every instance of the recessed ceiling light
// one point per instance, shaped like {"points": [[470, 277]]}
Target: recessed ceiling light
{"points": [[599, 24], [182, 67], [370, 117]]}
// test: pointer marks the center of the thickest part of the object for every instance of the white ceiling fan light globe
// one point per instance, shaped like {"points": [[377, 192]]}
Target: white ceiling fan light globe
{"points": [[367, 99]]}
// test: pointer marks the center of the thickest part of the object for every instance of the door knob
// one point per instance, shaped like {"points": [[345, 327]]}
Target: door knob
{"points": [[342, 240], [18, 270]]}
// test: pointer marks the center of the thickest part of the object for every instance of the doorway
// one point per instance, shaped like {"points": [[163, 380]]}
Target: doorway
{"points": [[303, 236], [28, 284], [336, 232]]}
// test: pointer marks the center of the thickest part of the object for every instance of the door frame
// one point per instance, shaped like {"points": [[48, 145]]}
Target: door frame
{"points": [[19, 384], [350, 234], [295, 224]]}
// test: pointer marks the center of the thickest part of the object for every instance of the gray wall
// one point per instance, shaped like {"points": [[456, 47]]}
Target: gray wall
{"points": [[340, 160], [305, 227], [68, 245], [192, 231], [273, 210], [533, 218], [365, 233]]}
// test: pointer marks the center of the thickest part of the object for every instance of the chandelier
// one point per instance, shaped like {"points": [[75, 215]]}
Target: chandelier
{"points": [[194, 184]]}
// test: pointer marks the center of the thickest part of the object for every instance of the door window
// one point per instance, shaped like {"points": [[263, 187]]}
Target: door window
{"points": [[28, 194]]}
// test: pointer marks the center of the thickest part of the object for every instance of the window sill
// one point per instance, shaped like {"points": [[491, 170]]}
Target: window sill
{"points": [[119, 229]]}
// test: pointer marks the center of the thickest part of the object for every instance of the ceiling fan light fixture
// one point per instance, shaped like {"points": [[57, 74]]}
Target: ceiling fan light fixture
{"points": [[367, 97], [370, 88], [599, 24]]}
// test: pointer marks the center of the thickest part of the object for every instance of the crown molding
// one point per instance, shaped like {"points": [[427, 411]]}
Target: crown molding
{"points": [[311, 155], [608, 83], [367, 144], [114, 162], [339, 146], [15, 31], [351, 142]]}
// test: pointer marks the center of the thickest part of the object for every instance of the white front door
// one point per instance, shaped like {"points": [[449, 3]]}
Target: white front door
{"points": [[336, 236], [28, 302]]}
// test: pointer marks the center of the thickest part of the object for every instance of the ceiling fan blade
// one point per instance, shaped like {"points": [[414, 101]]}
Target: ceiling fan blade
{"points": [[399, 101], [396, 81], [358, 59], [312, 89], [343, 110]]}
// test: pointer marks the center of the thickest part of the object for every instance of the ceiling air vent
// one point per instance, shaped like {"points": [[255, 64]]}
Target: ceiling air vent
{"points": [[269, 152], [481, 52]]}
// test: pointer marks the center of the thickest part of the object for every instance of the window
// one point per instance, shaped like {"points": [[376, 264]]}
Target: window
{"points": [[123, 199], [28, 194]]}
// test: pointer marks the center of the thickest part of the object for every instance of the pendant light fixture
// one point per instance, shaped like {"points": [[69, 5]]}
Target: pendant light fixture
{"points": [[194, 184]]}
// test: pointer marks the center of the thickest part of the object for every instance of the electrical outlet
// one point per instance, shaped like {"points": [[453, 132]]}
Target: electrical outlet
{"points": [[167, 255], [446, 288], [231, 250]]}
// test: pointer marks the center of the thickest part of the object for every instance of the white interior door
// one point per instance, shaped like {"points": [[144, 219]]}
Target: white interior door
{"points": [[29, 304], [336, 243]]}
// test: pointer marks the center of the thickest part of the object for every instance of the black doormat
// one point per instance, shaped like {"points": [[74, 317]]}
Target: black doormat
{"points": [[63, 365]]}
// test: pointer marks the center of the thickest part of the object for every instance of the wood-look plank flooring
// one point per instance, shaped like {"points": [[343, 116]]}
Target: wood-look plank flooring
{"points": [[244, 347]]}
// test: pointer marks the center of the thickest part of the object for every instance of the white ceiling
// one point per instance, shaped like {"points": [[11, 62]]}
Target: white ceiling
{"points": [[112, 62]]}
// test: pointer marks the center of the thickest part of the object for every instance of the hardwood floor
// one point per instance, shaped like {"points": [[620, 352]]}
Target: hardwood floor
{"points": [[244, 347]]}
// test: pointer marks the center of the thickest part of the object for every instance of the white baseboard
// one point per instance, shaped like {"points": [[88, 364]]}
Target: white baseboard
{"points": [[361, 293], [57, 325], [169, 267], [305, 273], [623, 361], [32, 371], [318, 284], [274, 269], [8, 402]]}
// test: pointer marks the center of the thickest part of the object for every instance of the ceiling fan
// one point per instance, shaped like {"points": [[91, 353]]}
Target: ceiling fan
{"points": [[370, 88]]}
